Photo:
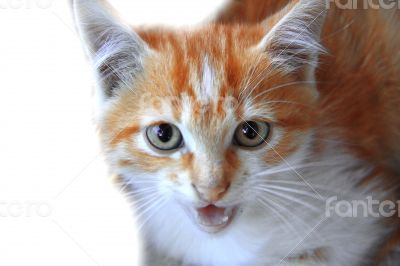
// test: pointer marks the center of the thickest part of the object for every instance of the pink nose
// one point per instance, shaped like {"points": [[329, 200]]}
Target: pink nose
{"points": [[212, 194]]}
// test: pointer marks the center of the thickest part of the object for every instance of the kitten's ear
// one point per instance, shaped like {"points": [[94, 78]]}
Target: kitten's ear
{"points": [[115, 51], [293, 43]]}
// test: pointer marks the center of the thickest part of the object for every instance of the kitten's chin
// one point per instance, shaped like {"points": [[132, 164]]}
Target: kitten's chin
{"points": [[213, 219]]}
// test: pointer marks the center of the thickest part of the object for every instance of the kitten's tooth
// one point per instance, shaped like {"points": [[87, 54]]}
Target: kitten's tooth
{"points": [[228, 212], [212, 219]]}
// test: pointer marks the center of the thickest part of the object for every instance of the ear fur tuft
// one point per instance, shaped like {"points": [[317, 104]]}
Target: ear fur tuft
{"points": [[294, 41], [115, 51]]}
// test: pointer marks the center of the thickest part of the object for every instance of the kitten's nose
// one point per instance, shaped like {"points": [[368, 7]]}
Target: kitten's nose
{"points": [[211, 194]]}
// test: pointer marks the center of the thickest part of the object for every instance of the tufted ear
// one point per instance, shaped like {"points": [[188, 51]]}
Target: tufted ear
{"points": [[116, 52], [293, 43]]}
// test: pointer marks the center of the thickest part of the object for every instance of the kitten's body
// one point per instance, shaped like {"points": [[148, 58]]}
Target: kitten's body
{"points": [[335, 135]]}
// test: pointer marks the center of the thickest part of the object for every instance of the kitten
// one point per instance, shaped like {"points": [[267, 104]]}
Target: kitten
{"points": [[237, 140]]}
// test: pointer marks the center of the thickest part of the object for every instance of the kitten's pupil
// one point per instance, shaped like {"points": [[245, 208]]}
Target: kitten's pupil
{"points": [[250, 129], [164, 132]]}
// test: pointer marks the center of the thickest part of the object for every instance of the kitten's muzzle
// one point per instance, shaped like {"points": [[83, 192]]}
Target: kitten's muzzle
{"points": [[211, 217]]}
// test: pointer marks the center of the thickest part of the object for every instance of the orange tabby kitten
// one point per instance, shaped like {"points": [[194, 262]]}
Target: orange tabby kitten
{"points": [[268, 136]]}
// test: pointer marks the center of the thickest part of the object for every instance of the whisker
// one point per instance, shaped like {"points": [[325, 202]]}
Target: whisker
{"points": [[324, 188], [248, 79], [288, 197], [288, 102], [149, 191], [273, 171], [299, 183], [142, 209], [147, 197], [289, 84], [286, 189], [284, 205], [289, 169], [278, 214], [260, 78], [161, 203]]}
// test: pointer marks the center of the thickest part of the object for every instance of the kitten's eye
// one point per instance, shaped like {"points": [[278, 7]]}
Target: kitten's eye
{"points": [[252, 134], [164, 137]]}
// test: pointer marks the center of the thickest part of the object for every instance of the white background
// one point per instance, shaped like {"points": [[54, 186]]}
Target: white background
{"points": [[57, 203]]}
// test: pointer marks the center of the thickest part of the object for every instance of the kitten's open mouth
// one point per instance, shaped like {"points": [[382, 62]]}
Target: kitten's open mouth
{"points": [[213, 219]]}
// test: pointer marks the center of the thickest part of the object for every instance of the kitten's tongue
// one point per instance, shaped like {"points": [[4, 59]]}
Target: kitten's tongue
{"points": [[212, 219]]}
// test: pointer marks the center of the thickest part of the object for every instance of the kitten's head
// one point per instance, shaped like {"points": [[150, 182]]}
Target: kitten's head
{"points": [[198, 119]]}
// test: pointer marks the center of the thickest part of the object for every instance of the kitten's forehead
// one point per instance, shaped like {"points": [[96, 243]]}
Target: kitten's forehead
{"points": [[210, 61], [199, 75]]}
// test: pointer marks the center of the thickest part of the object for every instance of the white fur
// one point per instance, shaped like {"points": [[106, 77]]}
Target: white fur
{"points": [[207, 82]]}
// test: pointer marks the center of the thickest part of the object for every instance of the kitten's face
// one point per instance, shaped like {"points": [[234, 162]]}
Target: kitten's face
{"points": [[207, 119]]}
